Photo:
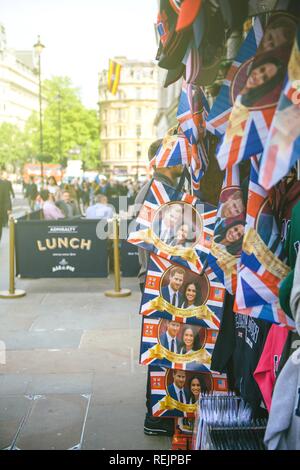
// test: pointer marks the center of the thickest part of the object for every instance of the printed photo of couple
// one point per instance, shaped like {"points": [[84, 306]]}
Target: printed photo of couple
{"points": [[187, 387], [230, 222], [180, 338], [262, 76], [177, 224], [183, 288]]}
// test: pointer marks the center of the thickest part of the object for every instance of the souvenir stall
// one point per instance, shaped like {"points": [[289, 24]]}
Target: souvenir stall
{"points": [[220, 311]]}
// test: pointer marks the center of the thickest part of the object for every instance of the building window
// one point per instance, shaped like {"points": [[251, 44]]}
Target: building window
{"points": [[138, 150], [138, 113], [120, 131], [138, 130], [120, 150], [138, 93]]}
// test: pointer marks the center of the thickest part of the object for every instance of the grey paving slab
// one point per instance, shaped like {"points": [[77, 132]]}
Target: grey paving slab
{"points": [[55, 422], [120, 389], [27, 340], [15, 322], [104, 339], [119, 428], [13, 410], [60, 383], [14, 384], [79, 319], [64, 361]]}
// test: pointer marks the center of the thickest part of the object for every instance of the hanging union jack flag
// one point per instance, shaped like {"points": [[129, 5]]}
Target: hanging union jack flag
{"points": [[206, 307], [254, 106], [155, 348], [226, 248], [164, 399], [262, 267], [192, 113], [282, 148], [175, 226], [185, 144], [218, 116]]}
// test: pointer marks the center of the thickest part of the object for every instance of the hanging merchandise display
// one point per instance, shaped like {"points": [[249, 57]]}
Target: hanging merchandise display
{"points": [[255, 105], [262, 267], [217, 120], [226, 248], [198, 298], [176, 226], [169, 343], [282, 149], [173, 393], [221, 298]]}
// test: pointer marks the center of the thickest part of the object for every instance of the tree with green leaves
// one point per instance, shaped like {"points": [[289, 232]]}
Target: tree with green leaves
{"points": [[14, 148], [67, 125]]}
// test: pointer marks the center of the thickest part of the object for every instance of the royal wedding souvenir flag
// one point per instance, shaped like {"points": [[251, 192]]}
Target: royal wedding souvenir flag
{"points": [[185, 146], [176, 226], [167, 401], [254, 106], [262, 261], [234, 82], [198, 298], [226, 248], [272, 313], [172, 344], [282, 149]]}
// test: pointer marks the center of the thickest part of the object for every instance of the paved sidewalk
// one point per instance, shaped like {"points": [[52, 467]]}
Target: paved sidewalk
{"points": [[71, 378]]}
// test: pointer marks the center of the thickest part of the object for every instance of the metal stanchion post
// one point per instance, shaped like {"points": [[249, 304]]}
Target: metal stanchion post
{"points": [[12, 293], [118, 292]]}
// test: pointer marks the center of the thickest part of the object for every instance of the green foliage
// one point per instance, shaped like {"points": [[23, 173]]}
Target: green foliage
{"points": [[14, 148], [67, 125]]}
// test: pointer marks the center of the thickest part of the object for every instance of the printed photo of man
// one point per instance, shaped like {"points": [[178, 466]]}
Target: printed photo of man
{"points": [[176, 390], [165, 226], [171, 293], [169, 339]]}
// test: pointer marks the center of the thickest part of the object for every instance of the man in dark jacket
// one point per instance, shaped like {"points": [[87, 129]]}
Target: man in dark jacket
{"points": [[10, 193], [4, 205]]}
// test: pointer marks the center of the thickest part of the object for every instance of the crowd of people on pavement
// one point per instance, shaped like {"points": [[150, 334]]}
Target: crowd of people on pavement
{"points": [[77, 199]]}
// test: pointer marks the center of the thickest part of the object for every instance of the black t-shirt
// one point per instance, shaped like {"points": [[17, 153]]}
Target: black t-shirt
{"points": [[237, 352]]}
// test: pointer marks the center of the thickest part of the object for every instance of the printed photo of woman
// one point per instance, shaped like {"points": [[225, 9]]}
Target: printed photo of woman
{"points": [[191, 295], [230, 236], [190, 341]]}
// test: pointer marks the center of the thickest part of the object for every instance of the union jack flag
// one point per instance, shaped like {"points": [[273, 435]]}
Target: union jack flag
{"points": [[187, 147], [212, 295], [218, 116], [262, 267], [254, 107], [155, 351], [282, 148], [161, 380], [200, 217], [224, 257]]}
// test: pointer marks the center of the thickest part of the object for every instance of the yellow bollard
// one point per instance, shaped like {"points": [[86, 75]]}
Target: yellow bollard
{"points": [[118, 292], [12, 293]]}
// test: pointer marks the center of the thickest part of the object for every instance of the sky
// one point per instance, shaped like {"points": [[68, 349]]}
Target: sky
{"points": [[81, 35]]}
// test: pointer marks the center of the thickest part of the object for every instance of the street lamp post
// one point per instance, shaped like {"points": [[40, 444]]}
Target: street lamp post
{"points": [[58, 98], [38, 47]]}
